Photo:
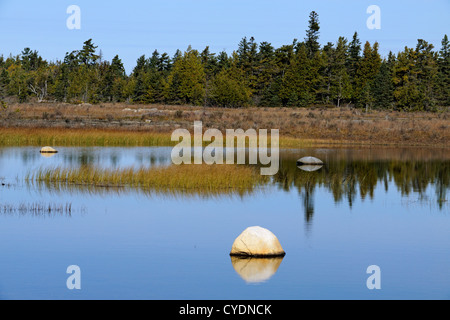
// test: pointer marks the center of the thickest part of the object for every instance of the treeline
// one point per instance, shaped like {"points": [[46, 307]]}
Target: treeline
{"points": [[300, 74]]}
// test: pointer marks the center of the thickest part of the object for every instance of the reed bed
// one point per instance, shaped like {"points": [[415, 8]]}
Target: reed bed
{"points": [[192, 178], [97, 138], [81, 137], [75, 137], [36, 209]]}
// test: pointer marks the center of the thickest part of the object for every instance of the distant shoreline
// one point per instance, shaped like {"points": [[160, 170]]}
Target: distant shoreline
{"points": [[120, 124]]}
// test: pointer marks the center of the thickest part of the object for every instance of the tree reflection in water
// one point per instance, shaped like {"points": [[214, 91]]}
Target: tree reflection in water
{"points": [[347, 173]]}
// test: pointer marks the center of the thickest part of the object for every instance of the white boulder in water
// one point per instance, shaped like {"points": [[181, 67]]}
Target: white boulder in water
{"points": [[48, 150], [257, 242]]}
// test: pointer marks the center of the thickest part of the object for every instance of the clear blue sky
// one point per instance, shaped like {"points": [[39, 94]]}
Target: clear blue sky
{"points": [[132, 28]]}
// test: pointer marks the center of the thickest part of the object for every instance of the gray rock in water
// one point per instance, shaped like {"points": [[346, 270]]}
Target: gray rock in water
{"points": [[309, 161]]}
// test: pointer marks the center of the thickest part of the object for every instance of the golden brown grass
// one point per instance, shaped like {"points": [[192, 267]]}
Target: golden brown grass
{"points": [[80, 137], [140, 124], [190, 178]]}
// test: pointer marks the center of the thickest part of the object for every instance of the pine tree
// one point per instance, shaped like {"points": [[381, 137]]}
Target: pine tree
{"points": [[354, 55], [382, 89], [117, 68], [444, 72], [178, 54], [341, 89], [243, 55], [353, 59], [153, 61], [87, 55], [209, 63], [265, 73], [427, 72], [17, 85], [4, 81], [297, 88], [223, 61], [405, 80], [185, 83], [31, 60], [229, 88], [164, 63], [368, 67], [140, 75], [312, 34]]}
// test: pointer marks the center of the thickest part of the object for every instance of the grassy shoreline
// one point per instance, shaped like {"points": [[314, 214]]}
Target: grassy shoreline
{"points": [[61, 137], [57, 124]]}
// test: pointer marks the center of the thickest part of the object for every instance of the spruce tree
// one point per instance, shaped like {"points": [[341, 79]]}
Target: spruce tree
{"points": [[209, 63], [298, 84], [444, 72], [382, 89], [186, 81], [404, 75], [265, 72], [4, 80], [312, 35], [229, 87], [427, 72], [140, 75], [353, 58], [338, 78], [87, 55], [368, 67]]}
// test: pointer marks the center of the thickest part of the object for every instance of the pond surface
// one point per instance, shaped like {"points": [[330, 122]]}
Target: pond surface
{"points": [[384, 207]]}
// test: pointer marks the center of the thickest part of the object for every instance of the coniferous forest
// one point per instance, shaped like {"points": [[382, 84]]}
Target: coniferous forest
{"points": [[300, 74]]}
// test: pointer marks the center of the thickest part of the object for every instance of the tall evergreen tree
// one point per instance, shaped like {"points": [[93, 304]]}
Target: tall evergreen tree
{"points": [[382, 89], [186, 81], [87, 54], [230, 88], [31, 60], [265, 73], [354, 55], [209, 63], [427, 71], [444, 72], [406, 92], [297, 89], [4, 81], [312, 34], [353, 59], [368, 67], [340, 86]]}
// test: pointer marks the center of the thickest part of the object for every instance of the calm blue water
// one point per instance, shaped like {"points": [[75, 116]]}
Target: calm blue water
{"points": [[131, 245]]}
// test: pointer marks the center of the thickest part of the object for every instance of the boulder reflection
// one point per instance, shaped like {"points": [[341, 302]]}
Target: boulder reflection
{"points": [[309, 167], [255, 270]]}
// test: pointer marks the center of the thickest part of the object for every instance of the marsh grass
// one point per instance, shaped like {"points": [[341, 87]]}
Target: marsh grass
{"points": [[37, 209], [123, 124], [39, 137], [81, 137], [200, 179]]}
